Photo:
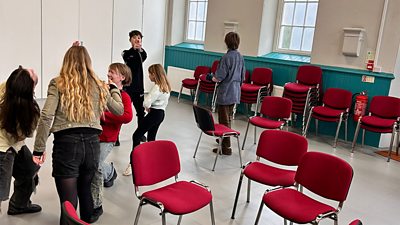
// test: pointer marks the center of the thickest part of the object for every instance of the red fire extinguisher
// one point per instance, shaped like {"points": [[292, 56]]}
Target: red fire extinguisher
{"points": [[360, 105]]}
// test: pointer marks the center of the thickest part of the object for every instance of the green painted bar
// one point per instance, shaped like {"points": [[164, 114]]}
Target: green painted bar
{"points": [[284, 68]]}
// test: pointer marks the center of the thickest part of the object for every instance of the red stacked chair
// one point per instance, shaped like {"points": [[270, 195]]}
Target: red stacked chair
{"points": [[260, 86], [383, 117], [191, 83], [207, 86], [305, 92], [335, 108]]}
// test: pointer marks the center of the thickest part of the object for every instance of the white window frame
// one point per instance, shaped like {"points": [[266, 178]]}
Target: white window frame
{"points": [[187, 22], [278, 30]]}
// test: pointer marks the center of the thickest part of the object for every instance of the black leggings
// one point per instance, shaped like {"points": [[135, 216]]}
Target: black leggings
{"points": [[70, 188], [149, 124]]}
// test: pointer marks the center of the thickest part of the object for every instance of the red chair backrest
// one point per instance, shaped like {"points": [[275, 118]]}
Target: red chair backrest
{"points": [[337, 98], [309, 75], [214, 66], [356, 222], [247, 77], [325, 175], [201, 70], [69, 215], [385, 106], [204, 118], [276, 107], [155, 161], [262, 76], [282, 147]]}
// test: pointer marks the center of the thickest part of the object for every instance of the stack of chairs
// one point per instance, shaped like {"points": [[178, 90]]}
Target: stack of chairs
{"points": [[207, 87], [191, 83], [260, 85], [305, 92]]}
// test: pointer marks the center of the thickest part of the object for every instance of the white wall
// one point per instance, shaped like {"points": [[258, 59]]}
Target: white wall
{"points": [[176, 21], [38, 34]]}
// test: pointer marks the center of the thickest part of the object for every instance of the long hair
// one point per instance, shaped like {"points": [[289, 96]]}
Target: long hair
{"points": [[160, 77], [19, 112], [124, 70], [76, 83]]}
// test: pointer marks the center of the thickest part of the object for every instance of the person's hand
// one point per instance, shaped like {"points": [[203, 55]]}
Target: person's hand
{"points": [[147, 110], [76, 43], [33, 75], [39, 159]]}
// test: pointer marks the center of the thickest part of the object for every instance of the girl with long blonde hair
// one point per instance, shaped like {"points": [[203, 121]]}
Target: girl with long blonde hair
{"points": [[155, 104], [76, 99]]}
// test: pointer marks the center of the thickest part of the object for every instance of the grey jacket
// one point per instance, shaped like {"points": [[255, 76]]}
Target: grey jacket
{"points": [[53, 118], [230, 73]]}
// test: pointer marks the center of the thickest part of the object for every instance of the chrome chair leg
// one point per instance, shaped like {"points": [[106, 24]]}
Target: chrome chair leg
{"points": [[248, 190], [345, 130], [196, 97], [355, 137], [337, 131], [259, 213], [164, 220], [180, 219], [307, 124], [138, 212], [316, 127], [180, 92], [245, 134], [240, 153], [197, 146], [237, 195], [255, 134], [363, 138], [219, 151], [391, 143], [212, 213]]}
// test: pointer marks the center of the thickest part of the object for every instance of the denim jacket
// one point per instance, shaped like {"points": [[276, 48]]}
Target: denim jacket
{"points": [[53, 118]]}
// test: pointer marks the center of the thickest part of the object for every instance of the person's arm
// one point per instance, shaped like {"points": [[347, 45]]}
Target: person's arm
{"points": [[126, 117], [143, 54], [222, 70], [114, 101], [151, 97], [46, 120]]}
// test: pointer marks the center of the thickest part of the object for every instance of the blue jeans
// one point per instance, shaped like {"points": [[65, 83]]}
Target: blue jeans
{"points": [[24, 171], [103, 173]]}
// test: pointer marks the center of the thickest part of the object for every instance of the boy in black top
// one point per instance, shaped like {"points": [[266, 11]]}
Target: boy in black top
{"points": [[134, 58]]}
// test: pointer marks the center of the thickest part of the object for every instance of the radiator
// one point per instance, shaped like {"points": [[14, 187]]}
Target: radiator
{"points": [[175, 77]]}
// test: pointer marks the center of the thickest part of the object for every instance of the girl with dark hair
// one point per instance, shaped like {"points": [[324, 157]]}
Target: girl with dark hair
{"points": [[19, 114]]}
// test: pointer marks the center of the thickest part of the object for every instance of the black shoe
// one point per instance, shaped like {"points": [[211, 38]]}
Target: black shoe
{"points": [[143, 139], [97, 212], [110, 183], [117, 143], [32, 208]]}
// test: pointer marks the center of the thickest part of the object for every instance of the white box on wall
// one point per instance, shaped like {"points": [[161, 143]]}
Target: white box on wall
{"points": [[352, 41]]}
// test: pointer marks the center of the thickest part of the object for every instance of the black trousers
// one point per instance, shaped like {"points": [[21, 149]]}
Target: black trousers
{"points": [[150, 124], [137, 100], [24, 171]]}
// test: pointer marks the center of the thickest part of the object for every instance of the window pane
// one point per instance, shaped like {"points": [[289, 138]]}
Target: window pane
{"points": [[191, 30], [192, 10], [199, 31], [201, 11], [204, 32], [295, 41], [308, 38], [311, 14], [299, 14], [287, 17], [284, 38]]}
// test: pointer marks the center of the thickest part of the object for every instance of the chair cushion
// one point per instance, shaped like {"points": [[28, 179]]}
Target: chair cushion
{"points": [[265, 123], [297, 88], [221, 129], [377, 124], [269, 175], [181, 197], [250, 87], [189, 82], [295, 206], [322, 111]]}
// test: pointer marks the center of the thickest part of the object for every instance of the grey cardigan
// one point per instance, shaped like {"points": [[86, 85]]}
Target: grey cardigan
{"points": [[53, 118]]}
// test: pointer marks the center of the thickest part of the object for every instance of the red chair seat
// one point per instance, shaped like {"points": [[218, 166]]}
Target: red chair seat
{"points": [[297, 88], [295, 206], [272, 176], [181, 197], [321, 111], [250, 87], [266, 123], [220, 130], [377, 122], [188, 82]]}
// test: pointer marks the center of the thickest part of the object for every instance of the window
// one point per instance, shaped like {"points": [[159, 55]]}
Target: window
{"points": [[196, 21], [295, 33]]}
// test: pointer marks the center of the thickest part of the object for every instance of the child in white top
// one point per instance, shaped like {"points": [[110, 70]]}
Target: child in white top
{"points": [[154, 103]]}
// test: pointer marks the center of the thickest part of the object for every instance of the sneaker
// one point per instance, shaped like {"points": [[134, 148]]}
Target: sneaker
{"points": [[97, 212], [117, 143], [143, 139], [110, 183], [128, 170], [226, 151], [32, 208]]}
